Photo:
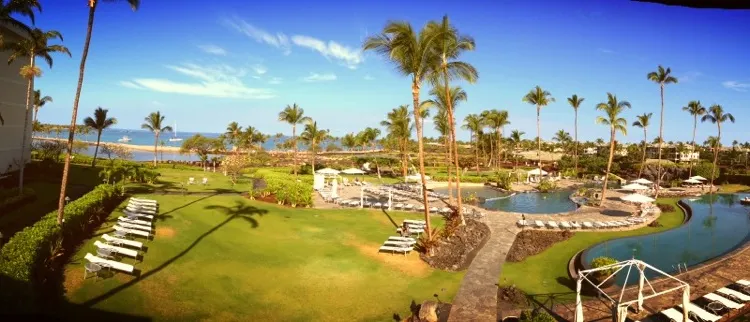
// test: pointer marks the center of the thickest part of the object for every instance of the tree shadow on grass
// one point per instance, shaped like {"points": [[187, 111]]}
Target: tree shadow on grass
{"points": [[240, 210]]}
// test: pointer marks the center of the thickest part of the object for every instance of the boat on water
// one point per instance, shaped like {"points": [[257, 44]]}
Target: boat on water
{"points": [[124, 139], [175, 138], [745, 201]]}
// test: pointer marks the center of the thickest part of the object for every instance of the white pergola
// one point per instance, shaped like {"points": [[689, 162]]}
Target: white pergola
{"points": [[619, 305]]}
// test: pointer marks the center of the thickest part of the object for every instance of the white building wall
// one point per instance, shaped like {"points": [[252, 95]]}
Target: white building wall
{"points": [[12, 107]]}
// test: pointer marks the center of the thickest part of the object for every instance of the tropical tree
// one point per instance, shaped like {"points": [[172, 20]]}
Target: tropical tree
{"points": [[349, 141], [575, 102], [497, 120], [154, 123], [293, 115], [717, 116], [563, 138], [440, 120], [312, 136], [99, 123], [515, 139], [92, 4], [474, 124], [612, 109], [39, 102], [369, 136], [35, 45], [232, 134], [446, 101], [643, 122], [539, 98], [695, 109], [250, 138], [23, 8], [399, 127], [662, 77]]}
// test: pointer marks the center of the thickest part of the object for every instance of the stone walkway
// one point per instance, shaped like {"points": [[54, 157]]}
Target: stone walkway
{"points": [[476, 299]]}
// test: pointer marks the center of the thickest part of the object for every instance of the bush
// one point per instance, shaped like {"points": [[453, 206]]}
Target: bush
{"points": [[665, 207], [504, 181], [286, 189], [546, 185], [464, 178], [10, 199], [538, 315], [601, 262]]}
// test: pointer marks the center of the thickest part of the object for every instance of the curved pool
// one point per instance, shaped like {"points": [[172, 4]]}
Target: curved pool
{"points": [[529, 203], [719, 225]]}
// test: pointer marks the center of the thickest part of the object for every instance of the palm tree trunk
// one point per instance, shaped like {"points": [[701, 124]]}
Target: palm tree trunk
{"points": [[661, 140], [539, 136], [576, 138], [25, 128], [404, 165], [447, 143], [313, 156], [695, 126], [156, 145], [96, 150], [609, 165], [476, 150], [716, 157], [499, 143], [492, 153], [294, 157], [71, 132], [420, 145], [643, 161]]}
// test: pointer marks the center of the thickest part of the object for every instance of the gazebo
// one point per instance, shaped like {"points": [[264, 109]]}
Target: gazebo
{"points": [[535, 173]]}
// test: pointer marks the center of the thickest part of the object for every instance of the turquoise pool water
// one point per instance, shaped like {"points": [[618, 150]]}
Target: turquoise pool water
{"points": [[719, 225], [529, 203]]}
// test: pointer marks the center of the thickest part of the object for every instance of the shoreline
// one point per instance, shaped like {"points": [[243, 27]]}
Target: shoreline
{"points": [[131, 147]]}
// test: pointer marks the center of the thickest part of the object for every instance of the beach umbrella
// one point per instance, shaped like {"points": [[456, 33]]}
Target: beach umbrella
{"points": [[352, 171], [692, 180], [634, 187], [641, 181], [637, 198], [698, 178], [327, 171]]}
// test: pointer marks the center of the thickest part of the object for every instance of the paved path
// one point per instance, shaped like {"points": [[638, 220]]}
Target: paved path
{"points": [[476, 299]]}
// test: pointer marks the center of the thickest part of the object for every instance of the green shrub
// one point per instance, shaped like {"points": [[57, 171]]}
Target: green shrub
{"points": [[10, 199], [464, 178], [546, 185], [665, 207], [286, 189], [601, 262], [538, 315]]}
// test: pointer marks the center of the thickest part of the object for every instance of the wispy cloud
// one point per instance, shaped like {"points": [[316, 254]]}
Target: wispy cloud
{"points": [[315, 77], [213, 49], [737, 86], [332, 50], [259, 69], [368, 77], [279, 40], [605, 51], [689, 77], [157, 103], [215, 81], [275, 81]]}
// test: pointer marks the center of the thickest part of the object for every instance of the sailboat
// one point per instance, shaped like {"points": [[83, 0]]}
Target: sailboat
{"points": [[175, 138]]}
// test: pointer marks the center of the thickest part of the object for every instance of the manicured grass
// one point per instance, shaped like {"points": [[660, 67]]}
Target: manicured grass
{"points": [[229, 258], [548, 272], [177, 179], [732, 188]]}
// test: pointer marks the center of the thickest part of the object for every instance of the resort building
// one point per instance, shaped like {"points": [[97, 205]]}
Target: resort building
{"points": [[672, 152], [12, 107]]}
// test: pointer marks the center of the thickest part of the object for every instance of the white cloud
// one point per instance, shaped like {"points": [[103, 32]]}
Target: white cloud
{"points": [[157, 103], [368, 77], [259, 69], [214, 81], [213, 49], [279, 40], [347, 56], [605, 51], [275, 81], [315, 77], [737, 86], [689, 77]]}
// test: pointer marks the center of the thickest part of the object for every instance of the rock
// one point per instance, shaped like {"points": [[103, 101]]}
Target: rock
{"points": [[428, 312]]}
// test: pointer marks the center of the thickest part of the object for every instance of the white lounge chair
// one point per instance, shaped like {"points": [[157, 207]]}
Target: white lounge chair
{"points": [[600, 224], [140, 210], [138, 215], [409, 207], [398, 243], [133, 231], [743, 282], [120, 241], [404, 239], [587, 224], [701, 313], [575, 224], [109, 263], [731, 292], [673, 314], [445, 210], [143, 205], [726, 302], [539, 224], [134, 226], [393, 249], [433, 209], [417, 222], [191, 180], [552, 224], [119, 250], [134, 221], [523, 223], [144, 200], [205, 181], [565, 224]]}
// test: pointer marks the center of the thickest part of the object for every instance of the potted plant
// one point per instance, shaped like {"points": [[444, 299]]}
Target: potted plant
{"points": [[599, 276]]}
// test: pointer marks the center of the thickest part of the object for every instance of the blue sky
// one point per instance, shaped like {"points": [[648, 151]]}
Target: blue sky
{"points": [[204, 66]]}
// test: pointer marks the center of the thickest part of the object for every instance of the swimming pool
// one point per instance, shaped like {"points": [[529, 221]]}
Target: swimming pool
{"points": [[719, 225], [530, 203]]}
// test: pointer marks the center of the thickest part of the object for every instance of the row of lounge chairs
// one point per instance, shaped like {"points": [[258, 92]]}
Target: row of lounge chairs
{"points": [[137, 222], [396, 206], [404, 244], [346, 182], [713, 306], [414, 192], [581, 224]]}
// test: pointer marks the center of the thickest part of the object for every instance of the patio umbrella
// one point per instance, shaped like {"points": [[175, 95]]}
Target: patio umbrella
{"points": [[637, 198], [641, 181], [692, 180], [352, 171], [634, 187], [327, 171], [698, 178]]}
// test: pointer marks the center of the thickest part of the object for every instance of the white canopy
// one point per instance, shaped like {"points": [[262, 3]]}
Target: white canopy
{"points": [[637, 198], [327, 171], [352, 171], [634, 187], [698, 178], [537, 172], [692, 180], [416, 177], [641, 181]]}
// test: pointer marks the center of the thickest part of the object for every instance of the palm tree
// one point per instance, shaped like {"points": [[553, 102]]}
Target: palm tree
{"points": [[695, 109], [539, 98], [369, 136], [643, 122], [612, 110], [717, 116], [74, 116], [416, 55], [474, 124], [39, 102], [23, 8], [440, 120], [154, 123], [99, 123], [497, 119], [575, 102], [293, 114], [446, 102], [349, 141], [313, 136], [563, 138], [35, 45], [662, 77], [515, 138], [232, 134], [399, 126], [250, 138]]}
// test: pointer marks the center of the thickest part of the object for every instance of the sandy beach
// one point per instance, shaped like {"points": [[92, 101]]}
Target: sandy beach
{"points": [[131, 147]]}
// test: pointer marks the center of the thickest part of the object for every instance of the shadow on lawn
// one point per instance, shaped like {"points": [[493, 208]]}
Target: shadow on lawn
{"points": [[240, 210]]}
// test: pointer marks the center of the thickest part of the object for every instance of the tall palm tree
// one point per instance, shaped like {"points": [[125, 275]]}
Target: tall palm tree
{"points": [[154, 123], [540, 98], [575, 102], [370, 136], [35, 45], [415, 54], [312, 136], [717, 116], [612, 109], [497, 120], [643, 122], [250, 138], [293, 114], [39, 102], [563, 138], [440, 120], [99, 123], [662, 77], [233, 134], [446, 102], [516, 138], [23, 8], [474, 124], [399, 126], [349, 141], [695, 109], [92, 4]]}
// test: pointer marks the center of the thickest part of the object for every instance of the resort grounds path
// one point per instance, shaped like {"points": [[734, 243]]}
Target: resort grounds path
{"points": [[476, 299]]}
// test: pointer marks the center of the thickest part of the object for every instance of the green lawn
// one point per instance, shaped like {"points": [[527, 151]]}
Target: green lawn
{"points": [[229, 258], [177, 179], [548, 272], [732, 188]]}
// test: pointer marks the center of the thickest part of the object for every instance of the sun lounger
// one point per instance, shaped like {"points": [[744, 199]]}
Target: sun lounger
{"points": [[135, 226], [142, 205], [612, 224], [137, 215], [733, 293], [743, 282], [588, 225], [409, 207], [109, 263], [133, 231], [552, 224], [143, 199], [413, 231], [414, 221], [523, 223], [433, 209], [393, 249], [445, 210], [701, 313], [143, 202], [398, 206], [539, 224], [565, 224], [140, 210], [134, 221], [575, 224], [713, 297], [673, 314], [377, 205], [600, 224], [119, 250], [404, 239], [120, 241]]}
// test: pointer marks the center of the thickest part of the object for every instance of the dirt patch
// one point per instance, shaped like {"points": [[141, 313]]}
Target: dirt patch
{"points": [[268, 199], [509, 297], [532, 242], [165, 232], [456, 252], [409, 264], [73, 280]]}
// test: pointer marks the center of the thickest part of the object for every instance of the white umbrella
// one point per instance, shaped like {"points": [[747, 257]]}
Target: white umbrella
{"points": [[537, 172], [692, 180], [352, 171], [637, 198], [641, 181], [328, 171], [634, 187], [698, 178], [335, 189]]}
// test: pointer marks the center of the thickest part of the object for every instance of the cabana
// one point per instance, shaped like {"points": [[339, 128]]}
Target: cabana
{"points": [[637, 198], [535, 173], [692, 181]]}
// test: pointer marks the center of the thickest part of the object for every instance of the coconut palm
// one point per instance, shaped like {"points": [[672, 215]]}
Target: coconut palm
{"points": [[474, 124], [399, 127], [369, 137], [232, 135], [612, 109], [440, 120], [563, 138], [250, 138], [717, 116], [643, 122], [516, 138], [497, 120], [349, 141], [154, 123], [662, 77], [23, 8], [540, 98], [446, 102], [36, 45], [695, 109], [293, 114], [99, 123], [312, 136], [575, 102], [92, 4], [39, 102]]}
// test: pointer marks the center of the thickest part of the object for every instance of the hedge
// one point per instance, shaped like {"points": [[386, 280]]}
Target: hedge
{"points": [[287, 189], [28, 256], [10, 199]]}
